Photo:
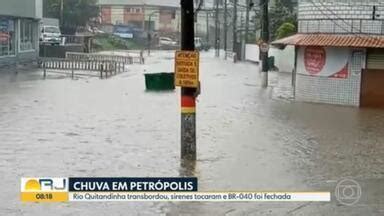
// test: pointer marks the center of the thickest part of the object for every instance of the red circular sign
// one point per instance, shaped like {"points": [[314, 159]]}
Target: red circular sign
{"points": [[314, 59]]}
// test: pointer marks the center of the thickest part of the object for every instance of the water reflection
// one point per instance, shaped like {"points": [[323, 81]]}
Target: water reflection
{"points": [[187, 168]]}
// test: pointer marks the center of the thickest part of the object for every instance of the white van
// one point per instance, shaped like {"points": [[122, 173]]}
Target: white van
{"points": [[50, 35]]}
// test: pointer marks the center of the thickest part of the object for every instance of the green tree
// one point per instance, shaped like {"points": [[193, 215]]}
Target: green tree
{"points": [[76, 13], [289, 4], [279, 15], [285, 30]]}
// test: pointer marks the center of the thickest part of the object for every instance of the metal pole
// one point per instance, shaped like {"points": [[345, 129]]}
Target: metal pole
{"points": [[62, 12], [225, 27], [234, 23], [207, 14], [188, 95], [149, 34], [265, 39], [45, 69], [217, 44], [246, 29]]}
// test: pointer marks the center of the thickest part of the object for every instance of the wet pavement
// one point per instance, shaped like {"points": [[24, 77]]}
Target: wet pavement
{"points": [[249, 138]]}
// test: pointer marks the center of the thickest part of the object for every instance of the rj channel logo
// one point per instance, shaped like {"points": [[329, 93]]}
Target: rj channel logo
{"points": [[44, 189]]}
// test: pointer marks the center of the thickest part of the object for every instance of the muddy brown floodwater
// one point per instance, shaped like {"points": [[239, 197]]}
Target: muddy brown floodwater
{"points": [[249, 138]]}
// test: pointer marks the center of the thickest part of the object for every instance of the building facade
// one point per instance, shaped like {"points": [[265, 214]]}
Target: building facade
{"points": [[19, 31], [142, 14], [339, 52]]}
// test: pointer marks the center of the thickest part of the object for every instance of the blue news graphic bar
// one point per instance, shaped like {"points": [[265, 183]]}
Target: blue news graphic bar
{"points": [[132, 184]]}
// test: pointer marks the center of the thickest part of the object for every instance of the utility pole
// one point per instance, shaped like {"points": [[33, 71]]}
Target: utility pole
{"points": [[234, 23], [188, 95], [265, 39], [207, 14], [225, 27], [217, 37], [149, 35], [62, 12], [245, 40], [149, 32]]}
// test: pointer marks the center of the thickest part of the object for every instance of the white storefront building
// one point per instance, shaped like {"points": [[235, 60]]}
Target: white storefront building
{"points": [[339, 52], [19, 31]]}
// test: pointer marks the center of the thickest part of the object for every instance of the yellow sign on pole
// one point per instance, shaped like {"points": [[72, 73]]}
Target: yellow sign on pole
{"points": [[187, 69]]}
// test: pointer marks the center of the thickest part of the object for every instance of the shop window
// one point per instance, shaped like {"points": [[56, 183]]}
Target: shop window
{"points": [[133, 10], [27, 35], [7, 37]]}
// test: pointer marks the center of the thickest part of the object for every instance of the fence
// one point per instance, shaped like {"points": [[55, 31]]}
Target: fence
{"points": [[231, 56], [104, 68], [105, 57]]}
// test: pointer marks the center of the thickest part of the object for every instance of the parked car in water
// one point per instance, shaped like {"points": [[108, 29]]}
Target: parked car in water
{"points": [[123, 31], [166, 41], [50, 35]]}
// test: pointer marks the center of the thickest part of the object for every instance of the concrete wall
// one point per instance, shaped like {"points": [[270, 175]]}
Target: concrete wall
{"points": [[325, 89], [252, 53], [284, 59], [347, 16], [22, 8]]}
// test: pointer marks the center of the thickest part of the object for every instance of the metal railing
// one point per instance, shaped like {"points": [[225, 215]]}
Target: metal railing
{"points": [[231, 56], [104, 57], [104, 68]]}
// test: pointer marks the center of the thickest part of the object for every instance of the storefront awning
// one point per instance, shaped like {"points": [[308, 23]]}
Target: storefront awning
{"points": [[332, 40]]}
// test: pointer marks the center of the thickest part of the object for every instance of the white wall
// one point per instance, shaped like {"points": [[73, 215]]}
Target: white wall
{"points": [[284, 59], [252, 52], [322, 89]]}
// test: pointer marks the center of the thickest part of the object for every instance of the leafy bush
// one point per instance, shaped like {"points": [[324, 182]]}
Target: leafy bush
{"points": [[285, 30]]}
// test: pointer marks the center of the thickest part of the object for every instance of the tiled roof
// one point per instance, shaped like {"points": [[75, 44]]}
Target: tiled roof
{"points": [[334, 40]]}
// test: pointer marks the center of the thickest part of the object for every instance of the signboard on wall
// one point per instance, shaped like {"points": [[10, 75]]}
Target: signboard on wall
{"points": [[324, 62], [4, 37], [4, 25]]}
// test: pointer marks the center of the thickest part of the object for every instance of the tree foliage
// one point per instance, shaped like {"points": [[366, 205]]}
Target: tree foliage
{"points": [[285, 30], [288, 4], [280, 14], [76, 13]]}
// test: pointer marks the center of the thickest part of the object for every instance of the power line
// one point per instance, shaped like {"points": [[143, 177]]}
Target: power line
{"points": [[344, 21], [353, 5], [342, 27]]}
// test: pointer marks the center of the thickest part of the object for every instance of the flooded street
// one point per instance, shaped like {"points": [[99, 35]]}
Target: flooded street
{"points": [[249, 139]]}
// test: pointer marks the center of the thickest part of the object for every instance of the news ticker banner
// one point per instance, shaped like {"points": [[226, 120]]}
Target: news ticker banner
{"points": [[146, 189]]}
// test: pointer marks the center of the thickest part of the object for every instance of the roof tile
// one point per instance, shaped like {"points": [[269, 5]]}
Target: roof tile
{"points": [[334, 40]]}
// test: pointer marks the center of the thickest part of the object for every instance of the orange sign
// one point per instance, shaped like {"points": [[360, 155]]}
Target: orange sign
{"points": [[187, 69]]}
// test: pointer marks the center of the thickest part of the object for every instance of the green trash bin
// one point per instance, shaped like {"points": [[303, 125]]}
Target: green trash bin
{"points": [[271, 62], [160, 81]]}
